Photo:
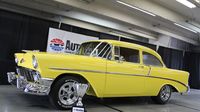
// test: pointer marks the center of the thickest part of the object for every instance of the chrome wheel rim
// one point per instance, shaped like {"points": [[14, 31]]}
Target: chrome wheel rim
{"points": [[165, 93], [67, 93]]}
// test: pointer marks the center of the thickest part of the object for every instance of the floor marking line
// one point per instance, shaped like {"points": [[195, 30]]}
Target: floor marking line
{"points": [[186, 107]]}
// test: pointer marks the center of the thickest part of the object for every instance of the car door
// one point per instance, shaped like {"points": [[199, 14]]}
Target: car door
{"points": [[125, 77], [155, 78]]}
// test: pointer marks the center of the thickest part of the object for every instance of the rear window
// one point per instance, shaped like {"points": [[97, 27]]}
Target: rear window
{"points": [[149, 59]]}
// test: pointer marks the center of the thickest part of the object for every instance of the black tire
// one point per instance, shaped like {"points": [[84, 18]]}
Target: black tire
{"points": [[163, 96], [59, 88]]}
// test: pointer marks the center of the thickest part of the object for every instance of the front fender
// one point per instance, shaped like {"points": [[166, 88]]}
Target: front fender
{"points": [[95, 89]]}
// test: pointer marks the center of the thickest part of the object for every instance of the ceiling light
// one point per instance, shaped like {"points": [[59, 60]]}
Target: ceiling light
{"points": [[185, 27], [187, 3], [197, 1], [131, 6]]}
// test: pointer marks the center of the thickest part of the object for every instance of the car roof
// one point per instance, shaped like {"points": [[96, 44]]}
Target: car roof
{"points": [[128, 45]]}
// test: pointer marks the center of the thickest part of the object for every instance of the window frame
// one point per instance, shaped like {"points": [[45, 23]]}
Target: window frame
{"points": [[78, 51], [111, 47], [161, 62], [139, 54]]}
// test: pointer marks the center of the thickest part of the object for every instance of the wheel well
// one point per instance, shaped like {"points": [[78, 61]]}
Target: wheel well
{"points": [[173, 88], [81, 78]]}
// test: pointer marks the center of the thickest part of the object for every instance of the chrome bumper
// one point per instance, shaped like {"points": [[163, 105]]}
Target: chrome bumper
{"points": [[40, 87], [188, 89], [186, 92]]}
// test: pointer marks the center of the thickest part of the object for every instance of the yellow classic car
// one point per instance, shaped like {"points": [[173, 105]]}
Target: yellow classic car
{"points": [[110, 69]]}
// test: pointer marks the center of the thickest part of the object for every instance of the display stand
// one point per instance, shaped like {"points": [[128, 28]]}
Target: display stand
{"points": [[81, 90]]}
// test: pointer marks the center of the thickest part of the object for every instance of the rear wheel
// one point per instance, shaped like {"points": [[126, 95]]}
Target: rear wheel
{"points": [[63, 93], [163, 96]]}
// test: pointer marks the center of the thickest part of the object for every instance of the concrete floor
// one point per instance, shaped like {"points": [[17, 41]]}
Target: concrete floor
{"points": [[13, 100]]}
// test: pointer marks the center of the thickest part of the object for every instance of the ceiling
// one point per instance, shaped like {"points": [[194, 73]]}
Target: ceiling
{"points": [[110, 14], [168, 12], [190, 14]]}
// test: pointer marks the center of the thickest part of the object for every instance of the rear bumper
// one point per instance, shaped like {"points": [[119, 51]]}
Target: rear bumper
{"points": [[187, 91], [40, 87]]}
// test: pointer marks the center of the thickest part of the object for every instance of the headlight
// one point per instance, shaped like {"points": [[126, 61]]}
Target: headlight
{"points": [[35, 63], [16, 60]]}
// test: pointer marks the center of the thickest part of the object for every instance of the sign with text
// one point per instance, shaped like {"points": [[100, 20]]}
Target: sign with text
{"points": [[65, 42], [78, 109]]}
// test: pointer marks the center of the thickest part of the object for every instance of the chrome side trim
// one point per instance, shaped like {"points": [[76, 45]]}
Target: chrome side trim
{"points": [[117, 73], [169, 80], [94, 71], [50, 79], [76, 70]]}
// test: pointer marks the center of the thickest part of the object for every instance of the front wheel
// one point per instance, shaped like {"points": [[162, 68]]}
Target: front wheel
{"points": [[63, 94], [163, 96]]}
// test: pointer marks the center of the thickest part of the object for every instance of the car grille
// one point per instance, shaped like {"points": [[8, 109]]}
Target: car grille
{"points": [[27, 73]]}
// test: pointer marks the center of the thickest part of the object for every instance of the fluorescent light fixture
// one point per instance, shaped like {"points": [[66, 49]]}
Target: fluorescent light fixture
{"points": [[131, 6], [197, 1], [185, 27], [187, 3]]}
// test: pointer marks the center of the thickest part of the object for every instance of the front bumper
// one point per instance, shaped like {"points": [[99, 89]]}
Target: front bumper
{"points": [[40, 87]]}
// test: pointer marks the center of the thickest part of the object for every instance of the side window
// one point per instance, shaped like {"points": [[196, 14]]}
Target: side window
{"points": [[103, 50], [129, 55], [149, 59]]}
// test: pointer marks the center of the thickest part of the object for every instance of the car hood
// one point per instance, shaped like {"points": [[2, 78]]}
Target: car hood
{"points": [[25, 59]]}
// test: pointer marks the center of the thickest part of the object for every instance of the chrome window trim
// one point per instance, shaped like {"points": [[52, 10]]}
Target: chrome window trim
{"points": [[102, 49], [110, 46], [162, 64], [91, 54], [110, 52], [139, 61]]}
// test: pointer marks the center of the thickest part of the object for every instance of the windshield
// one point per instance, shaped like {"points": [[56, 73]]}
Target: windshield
{"points": [[96, 49]]}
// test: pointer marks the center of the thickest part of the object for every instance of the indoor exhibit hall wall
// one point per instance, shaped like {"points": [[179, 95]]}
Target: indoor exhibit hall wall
{"points": [[172, 58], [192, 64], [19, 32]]}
